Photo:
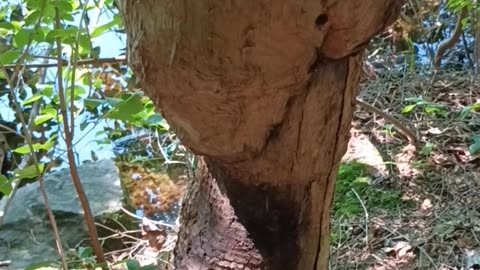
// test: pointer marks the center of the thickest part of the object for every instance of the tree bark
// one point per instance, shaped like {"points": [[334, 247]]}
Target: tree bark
{"points": [[265, 91]]}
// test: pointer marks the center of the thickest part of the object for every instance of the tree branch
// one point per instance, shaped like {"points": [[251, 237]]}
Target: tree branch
{"points": [[402, 128], [84, 62], [452, 40], [82, 197]]}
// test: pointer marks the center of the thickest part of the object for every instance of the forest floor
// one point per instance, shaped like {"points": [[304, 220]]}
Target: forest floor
{"points": [[415, 205]]}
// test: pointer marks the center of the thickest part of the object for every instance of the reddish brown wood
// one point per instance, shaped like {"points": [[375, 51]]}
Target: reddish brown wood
{"points": [[211, 236]]}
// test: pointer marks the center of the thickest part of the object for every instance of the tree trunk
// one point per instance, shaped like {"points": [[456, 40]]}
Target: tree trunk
{"points": [[265, 91]]}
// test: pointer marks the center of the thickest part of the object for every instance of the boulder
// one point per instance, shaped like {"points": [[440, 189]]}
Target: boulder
{"points": [[26, 235]]}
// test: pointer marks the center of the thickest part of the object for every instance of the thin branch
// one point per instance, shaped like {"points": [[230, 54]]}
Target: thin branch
{"points": [[366, 214], [452, 40], [149, 221], [11, 130], [84, 62], [73, 66], [91, 228], [402, 128]]}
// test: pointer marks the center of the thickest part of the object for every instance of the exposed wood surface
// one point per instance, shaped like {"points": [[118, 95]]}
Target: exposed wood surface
{"points": [[265, 90]]}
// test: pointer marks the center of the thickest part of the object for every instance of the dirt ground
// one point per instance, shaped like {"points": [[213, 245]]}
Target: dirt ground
{"points": [[437, 172]]}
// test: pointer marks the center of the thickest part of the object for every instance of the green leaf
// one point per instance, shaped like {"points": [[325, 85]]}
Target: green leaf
{"points": [[127, 109], [42, 119], [5, 185], [114, 101], [22, 37], [102, 28], [84, 125], [154, 119], [149, 267], [85, 44], [35, 4], [29, 171], [9, 57], [16, 25], [49, 111], [49, 12], [474, 148], [84, 252], [33, 17], [118, 19], [465, 112], [23, 150], [101, 132], [94, 103], [68, 17], [4, 32], [78, 91], [97, 84], [48, 90], [48, 144], [431, 110], [8, 25], [408, 109], [64, 6], [133, 265], [63, 33], [32, 99]]}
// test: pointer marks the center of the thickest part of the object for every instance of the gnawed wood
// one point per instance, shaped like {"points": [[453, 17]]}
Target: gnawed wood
{"points": [[265, 90]]}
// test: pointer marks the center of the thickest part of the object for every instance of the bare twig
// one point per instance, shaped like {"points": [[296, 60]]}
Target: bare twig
{"points": [[365, 212], [406, 238], [174, 227], [117, 234], [11, 130], [92, 230], [402, 128], [85, 62], [3, 150], [452, 40]]}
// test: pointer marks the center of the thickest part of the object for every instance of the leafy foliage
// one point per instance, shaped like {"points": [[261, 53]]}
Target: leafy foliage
{"points": [[100, 92], [59, 91], [429, 108]]}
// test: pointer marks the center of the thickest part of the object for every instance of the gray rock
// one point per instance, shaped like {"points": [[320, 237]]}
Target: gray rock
{"points": [[26, 237]]}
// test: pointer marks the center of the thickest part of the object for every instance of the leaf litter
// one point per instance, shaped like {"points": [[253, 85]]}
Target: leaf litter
{"points": [[439, 174]]}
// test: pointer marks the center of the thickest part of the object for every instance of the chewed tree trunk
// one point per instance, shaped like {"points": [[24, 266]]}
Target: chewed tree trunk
{"points": [[265, 91]]}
